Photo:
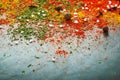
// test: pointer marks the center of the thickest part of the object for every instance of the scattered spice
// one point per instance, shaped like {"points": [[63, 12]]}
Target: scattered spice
{"points": [[75, 13], [61, 52], [77, 17]]}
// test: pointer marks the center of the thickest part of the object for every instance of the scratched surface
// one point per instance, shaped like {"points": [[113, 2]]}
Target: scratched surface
{"points": [[35, 62]]}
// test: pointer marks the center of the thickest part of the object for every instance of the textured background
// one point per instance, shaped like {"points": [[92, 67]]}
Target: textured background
{"points": [[30, 62]]}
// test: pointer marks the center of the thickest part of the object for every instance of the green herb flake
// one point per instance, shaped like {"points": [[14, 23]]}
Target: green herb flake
{"points": [[29, 65], [0, 5], [23, 71], [41, 44], [100, 61], [37, 57]]}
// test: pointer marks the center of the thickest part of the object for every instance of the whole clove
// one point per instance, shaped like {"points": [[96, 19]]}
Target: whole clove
{"points": [[106, 31]]}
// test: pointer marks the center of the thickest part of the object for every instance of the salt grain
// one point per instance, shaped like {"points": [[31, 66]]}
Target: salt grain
{"points": [[75, 21], [51, 25], [53, 59], [98, 21]]}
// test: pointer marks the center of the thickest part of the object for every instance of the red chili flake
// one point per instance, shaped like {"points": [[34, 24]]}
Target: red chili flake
{"points": [[2, 21], [46, 36], [58, 41], [113, 29], [61, 37], [83, 36], [51, 2], [30, 1], [79, 32], [52, 40], [61, 52], [46, 6]]}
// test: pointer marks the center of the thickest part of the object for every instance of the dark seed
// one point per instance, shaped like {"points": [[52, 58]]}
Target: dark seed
{"points": [[59, 8], [33, 70], [105, 31], [99, 14], [71, 52], [31, 6], [68, 17], [112, 9], [53, 61], [23, 71], [109, 9]]}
